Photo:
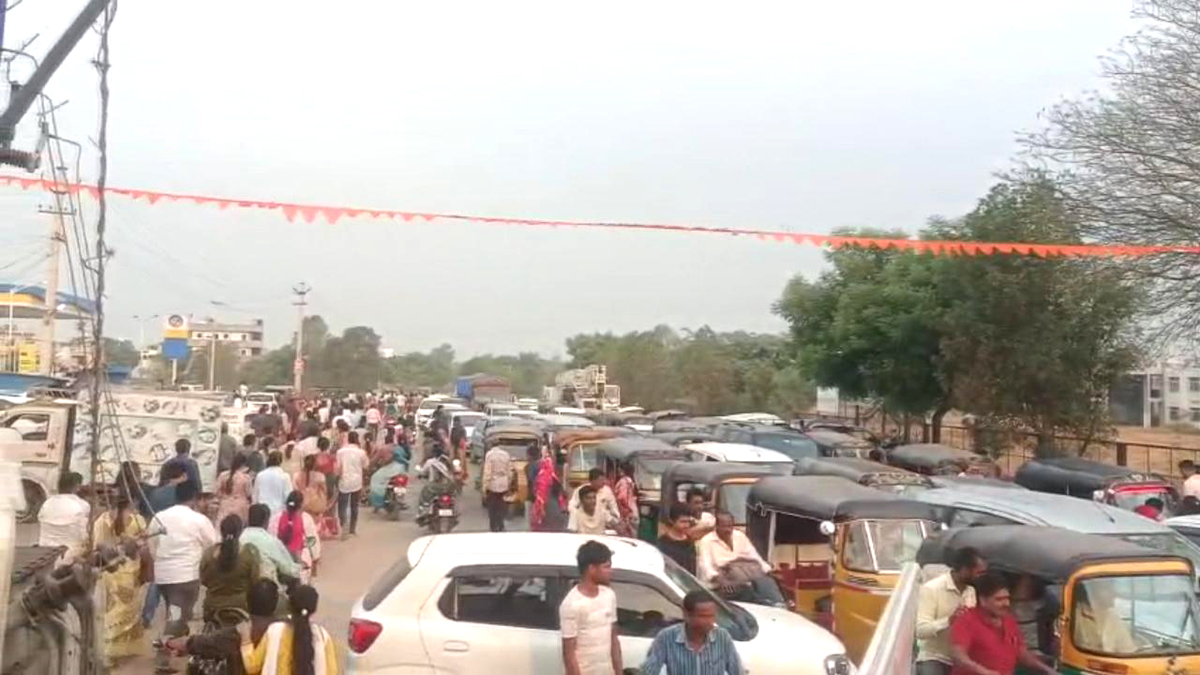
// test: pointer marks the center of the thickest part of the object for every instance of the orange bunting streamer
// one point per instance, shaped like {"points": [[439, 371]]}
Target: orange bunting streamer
{"points": [[332, 214]]}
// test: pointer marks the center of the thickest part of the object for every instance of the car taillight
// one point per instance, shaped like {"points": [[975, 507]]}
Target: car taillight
{"points": [[363, 634]]}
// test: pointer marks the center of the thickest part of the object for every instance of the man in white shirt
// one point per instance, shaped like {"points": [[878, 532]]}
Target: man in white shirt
{"points": [[497, 479], [186, 535], [272, 485], [937, 602], [63, 519], [729, 563], [352, 461], [1191, 479], [588, 614], [589, 518], [606, 501], [705, 521]]}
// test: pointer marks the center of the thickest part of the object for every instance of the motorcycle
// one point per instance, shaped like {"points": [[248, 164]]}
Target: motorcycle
{"points": [[394, 494], [440, 514]]}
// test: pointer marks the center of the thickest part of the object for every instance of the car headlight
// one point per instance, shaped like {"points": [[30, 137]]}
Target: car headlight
{"points": [[839, 664]]}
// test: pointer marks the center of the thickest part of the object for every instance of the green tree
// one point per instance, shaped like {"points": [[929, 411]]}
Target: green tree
{"points": [[120, 353], [871, 326], [1031, 342]]}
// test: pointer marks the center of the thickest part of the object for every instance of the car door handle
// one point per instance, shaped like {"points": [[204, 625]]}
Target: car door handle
{"points": [[456, 646]]}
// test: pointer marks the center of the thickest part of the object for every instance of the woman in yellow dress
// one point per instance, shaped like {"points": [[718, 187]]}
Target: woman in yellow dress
{"points": [[296, 641], [123, 588]]}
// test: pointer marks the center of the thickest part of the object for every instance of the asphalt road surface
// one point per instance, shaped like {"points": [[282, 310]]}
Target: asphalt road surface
{"points": [[348, 567]]}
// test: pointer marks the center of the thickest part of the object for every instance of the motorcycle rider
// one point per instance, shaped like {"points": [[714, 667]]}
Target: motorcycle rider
{"points": [[439, 476]]}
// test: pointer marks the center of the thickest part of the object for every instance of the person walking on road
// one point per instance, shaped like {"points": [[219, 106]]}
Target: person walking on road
{"points": [[938, 600], [183, 457], [588, 517], [272, 486], [226, 450], [234, 488], [352, 462], [497, 480], [186, 535], [63, 519], [123, 581], [698, 646], [223, 647], [227, 571], [588, 616], [295, 646], [274, 559]]}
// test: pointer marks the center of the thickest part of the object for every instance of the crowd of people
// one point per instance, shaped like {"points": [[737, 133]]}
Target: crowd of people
{"points": [[252, 544]]}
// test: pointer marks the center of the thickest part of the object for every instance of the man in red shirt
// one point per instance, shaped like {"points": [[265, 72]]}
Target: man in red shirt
{"points": [[985, 639]]}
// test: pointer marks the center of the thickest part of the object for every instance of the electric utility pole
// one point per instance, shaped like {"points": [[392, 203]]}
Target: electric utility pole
{"points": [[301, 290]]}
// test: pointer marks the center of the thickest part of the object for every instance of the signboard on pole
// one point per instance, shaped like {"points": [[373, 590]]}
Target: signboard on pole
{"points": [[175, 326], [176, 349], [28, 358]]}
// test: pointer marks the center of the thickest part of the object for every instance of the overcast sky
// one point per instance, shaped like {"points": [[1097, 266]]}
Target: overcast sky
{"points": [[791, 115]]}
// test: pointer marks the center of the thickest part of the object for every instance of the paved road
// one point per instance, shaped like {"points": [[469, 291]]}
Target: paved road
{"points": [[349, 567]]}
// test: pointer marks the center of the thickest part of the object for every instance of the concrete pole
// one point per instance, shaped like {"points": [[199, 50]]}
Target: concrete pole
{"points": [[301, 290], [50, 309], [212, 363]]}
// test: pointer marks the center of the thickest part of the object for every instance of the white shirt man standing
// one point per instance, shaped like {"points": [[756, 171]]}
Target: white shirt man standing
{"points": [[497, 479], [352, 461], [937, 601], [272, 485], [63, 519], [606, 501], [186, 535], [588, 616]]}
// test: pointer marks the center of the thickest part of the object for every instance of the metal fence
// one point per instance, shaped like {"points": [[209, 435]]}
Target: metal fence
{"points": [[1012, 448]]}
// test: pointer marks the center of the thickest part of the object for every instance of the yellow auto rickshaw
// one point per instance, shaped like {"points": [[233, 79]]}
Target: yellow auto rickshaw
{"points": [[837, 547], [648, 458], [576, 450], [522, 442], [1102, 604], [726, 485]]}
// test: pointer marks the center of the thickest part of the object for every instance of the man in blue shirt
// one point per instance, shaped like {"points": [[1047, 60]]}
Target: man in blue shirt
{"points": [[183, 449], [698, 646]]}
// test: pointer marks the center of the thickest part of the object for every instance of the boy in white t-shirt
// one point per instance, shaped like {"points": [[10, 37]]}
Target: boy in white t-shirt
{"points": [[588, 615]]}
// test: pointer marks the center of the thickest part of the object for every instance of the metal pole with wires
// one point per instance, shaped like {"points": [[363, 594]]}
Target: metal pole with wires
{"points": [[102, 253]]}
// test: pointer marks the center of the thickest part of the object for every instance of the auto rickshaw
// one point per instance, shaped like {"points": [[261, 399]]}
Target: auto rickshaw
{"points": [[682, 438], [726, 485], [1115, 485], [934, 459], [576, 451], [838, 547], [517, 440], [1108, 606], [864, 472], [648, 457], [835, 444]]}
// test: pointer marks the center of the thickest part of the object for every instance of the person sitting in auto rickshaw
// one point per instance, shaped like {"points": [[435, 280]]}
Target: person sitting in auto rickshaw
{"points": [[727, 562], [1099, 628], [703, 522]]}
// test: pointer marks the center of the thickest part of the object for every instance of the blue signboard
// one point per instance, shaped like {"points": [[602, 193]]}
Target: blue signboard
{"points": [[175, 349]]}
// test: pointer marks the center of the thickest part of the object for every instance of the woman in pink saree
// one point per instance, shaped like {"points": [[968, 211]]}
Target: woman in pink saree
{"points": [[626, 494], [549, 503]]}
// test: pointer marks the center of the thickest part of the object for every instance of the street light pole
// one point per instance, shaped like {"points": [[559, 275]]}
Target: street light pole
{"points": [[301, 290], [212, 362]]}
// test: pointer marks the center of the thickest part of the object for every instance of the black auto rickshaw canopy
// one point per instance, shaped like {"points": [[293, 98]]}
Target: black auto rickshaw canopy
{"points": [[832, 498], [861, 471], [669, 424], [1048, 553], [1077, 476], [680, 438], [934, 458], [705, 473]]}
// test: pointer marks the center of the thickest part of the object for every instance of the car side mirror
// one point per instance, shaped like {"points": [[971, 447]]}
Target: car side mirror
{"points": [[828, 528]]}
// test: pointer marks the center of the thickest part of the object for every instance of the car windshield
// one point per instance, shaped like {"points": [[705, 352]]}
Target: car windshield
{"points": [[1131, 499], [733, 497], [884, 545], [1169, 542], [794, 446], [647, 473], [1136, 615], [740, 623]]}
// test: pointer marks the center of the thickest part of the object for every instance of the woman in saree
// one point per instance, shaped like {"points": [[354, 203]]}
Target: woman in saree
{"points": [[234, 490], [311, 483], [549, 504], [298, 532], [397, 463], [123, 583]]}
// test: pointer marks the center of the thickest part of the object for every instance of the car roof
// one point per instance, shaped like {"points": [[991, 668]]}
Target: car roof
{"points": [[467, 413], [1189, 522], [531, 549], [739, 452], [556, 420], [1039, 508]]}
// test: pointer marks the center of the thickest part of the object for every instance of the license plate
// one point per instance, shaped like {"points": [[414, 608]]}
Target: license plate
{"points": [[445, 512]]}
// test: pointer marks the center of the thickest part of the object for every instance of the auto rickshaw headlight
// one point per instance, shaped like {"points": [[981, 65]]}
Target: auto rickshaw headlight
{"points": [[839, 664], [828, 528]]}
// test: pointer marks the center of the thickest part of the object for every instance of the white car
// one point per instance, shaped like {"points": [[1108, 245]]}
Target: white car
{"points": [[756, 418], [487, 604], [469, 418], [712, 451], [425, 411]]}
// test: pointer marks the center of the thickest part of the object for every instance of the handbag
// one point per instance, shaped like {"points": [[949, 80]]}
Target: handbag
{"points": [[739, 573]]}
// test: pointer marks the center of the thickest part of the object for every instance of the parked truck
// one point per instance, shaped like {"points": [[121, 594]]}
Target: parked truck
{"points": [[482, 389], [142, 426], [584, 388]]}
